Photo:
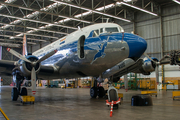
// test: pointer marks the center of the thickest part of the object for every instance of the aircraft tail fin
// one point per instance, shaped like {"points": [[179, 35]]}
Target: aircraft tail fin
{"points": [[24, 53]]}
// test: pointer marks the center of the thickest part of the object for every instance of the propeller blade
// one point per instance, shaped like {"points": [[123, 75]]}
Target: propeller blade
{"points": [[47, 56], [17, 55], [33, 80]]}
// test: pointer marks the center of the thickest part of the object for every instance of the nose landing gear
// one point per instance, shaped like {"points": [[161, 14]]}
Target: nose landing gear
{"points": [[113, 98]]}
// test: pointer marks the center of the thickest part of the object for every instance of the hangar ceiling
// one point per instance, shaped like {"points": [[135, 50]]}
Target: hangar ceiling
{"points": [[49, 20]]}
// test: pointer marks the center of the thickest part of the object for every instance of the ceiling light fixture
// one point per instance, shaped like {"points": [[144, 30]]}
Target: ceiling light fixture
{"points": [[25, 19], [12, 37], [127, 0], [73, 19], [36, 29], [176, 1], [132, 6], [10, 45], [7, 1]]}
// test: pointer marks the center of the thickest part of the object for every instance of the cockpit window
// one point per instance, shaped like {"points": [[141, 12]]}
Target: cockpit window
{"points": [[96, 33], [111, 29], [121, 29]]}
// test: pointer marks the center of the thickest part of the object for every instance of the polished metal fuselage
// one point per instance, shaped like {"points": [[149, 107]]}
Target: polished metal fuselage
{"points": [[101, 52]]}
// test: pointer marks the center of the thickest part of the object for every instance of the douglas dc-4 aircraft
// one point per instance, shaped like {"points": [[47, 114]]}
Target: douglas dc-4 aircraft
{"points": [[100, 50]]}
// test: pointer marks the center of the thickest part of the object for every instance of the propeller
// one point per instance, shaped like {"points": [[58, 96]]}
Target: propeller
{"points": [[33, 80], [18, 55], [46, 56], [33, 64], [156, 68]]}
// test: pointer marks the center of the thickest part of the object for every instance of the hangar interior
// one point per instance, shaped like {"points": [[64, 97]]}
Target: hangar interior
{"points": [[45, 21]]}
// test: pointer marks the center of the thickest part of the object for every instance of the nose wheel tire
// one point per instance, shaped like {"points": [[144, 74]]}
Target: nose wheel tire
{"points": [[101, 92], [14, 94], [93, 92]]}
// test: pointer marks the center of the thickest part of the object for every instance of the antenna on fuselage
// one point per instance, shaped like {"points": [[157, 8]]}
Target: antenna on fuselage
{"points": [[79, 28], [107, 20]]}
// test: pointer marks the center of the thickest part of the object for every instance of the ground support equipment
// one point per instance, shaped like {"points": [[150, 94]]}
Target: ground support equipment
{"points": [[112, 103]]}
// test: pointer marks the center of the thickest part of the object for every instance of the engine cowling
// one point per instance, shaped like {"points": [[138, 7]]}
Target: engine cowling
{"points": [[148, 66], [26, 67]]}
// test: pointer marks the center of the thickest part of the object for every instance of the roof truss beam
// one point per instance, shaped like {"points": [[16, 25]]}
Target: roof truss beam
{"points": [[10, 36], [37, 21], [32, 28], [90, 10], [45, 12], [29, 34]]}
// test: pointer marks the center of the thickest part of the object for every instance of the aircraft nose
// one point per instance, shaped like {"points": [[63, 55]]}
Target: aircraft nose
{"points": [[137, 45]]}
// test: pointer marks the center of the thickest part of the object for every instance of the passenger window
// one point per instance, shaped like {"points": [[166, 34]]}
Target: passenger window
{"points": [[96, 33], [112, 29], [101, 30]]}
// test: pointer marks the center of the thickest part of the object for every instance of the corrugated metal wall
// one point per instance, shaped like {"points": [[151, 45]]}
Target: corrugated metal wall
{"points": [[171, 27]]}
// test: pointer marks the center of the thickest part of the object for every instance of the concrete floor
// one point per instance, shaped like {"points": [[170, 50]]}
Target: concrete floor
{"points": [[76, 104]]}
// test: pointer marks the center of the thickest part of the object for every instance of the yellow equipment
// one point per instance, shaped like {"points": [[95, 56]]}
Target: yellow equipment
{"points": [[171, 84], [147, 83], [149, 92], [27, 99], [175, 94], [117, 87], [120, 95]]}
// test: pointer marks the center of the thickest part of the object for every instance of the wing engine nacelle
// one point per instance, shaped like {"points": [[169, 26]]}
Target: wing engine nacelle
{"points": [[148, 66], [26, 67], [119, 67]]}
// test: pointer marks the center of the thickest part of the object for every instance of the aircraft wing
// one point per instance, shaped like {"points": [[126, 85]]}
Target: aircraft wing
{"points": [[47, 72], [136, 68], [6, 67]]}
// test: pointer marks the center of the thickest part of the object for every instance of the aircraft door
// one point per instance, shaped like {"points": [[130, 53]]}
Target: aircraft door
{"points": [[81, 47]]}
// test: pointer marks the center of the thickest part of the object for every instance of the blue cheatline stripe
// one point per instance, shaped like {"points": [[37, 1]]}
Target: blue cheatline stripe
{"points": [[137, 45]]}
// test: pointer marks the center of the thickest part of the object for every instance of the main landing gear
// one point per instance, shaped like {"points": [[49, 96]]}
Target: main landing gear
{"points": [[97, 91], [16, 91]]}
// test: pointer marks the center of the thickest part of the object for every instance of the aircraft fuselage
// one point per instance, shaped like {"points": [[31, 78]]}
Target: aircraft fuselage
{"points": [[91, 50]]}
